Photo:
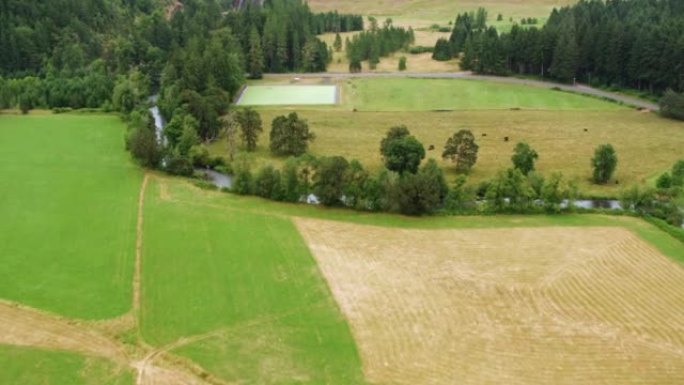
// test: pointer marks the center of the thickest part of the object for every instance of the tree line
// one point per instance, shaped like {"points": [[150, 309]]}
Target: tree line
{"points": [[625, 43], [408, 184], [375, 43], [74, 53]]}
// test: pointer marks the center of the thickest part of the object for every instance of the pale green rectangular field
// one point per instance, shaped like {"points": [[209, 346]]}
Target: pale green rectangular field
{"points": [[280, 95]]}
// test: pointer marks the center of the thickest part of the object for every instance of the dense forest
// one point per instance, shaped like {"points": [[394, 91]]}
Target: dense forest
{"points": [[625, 43], [114, 54], [376, 42]]}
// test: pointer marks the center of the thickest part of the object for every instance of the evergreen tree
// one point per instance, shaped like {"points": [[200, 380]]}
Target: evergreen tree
{"points": [[338, 42], [250, 127], [256, 55]]}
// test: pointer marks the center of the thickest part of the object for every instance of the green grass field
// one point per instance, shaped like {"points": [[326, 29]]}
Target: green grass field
{"points": [[249, 281], [405, 94], [184, 193], [24, 366], [68, 205], [227, 282], [288, 95]]}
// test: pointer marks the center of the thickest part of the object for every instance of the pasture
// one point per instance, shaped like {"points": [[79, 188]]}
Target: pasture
{"points": [[563, 128], [519, 305], [291, 95], [67, 237], [231, 292], [409, 94], [243, 288]]}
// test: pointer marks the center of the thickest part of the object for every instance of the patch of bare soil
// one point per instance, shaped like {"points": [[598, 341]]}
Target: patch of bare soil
{"points": [[27, 327], [505, 306]]}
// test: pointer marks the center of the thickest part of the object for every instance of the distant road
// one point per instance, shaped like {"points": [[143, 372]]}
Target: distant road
{"points": [[579, 88]]}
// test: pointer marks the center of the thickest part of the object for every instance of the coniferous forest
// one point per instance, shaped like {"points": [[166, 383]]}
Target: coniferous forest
{"points": [[624, 43], [114, 54]]}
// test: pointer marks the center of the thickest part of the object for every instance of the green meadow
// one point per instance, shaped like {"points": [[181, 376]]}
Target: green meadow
{"points": [[246, 284], [406, 94], [227, 282], [68, 204], [266, 95], [25, 366]]}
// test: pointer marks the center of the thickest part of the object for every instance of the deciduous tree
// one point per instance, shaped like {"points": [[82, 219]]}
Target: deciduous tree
{"points": [[250, 127], [461, 149], [604, 163], [290, 135], [524, 157], [401, 151]]}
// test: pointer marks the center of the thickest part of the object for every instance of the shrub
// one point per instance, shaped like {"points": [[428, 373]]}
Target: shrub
{"points": [[417, 50], [672, 105], [179, 165], [402, 63]]}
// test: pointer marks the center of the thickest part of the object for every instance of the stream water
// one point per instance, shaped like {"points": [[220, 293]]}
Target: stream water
{"points": [[221, 180]]}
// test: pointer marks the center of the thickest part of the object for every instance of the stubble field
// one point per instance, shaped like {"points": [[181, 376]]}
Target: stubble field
{"points": [[515, 306], [111, 277]]}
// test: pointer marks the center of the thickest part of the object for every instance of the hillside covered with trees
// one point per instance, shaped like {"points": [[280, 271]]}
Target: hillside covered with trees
{"points": [[113, 55], [626, 43]]}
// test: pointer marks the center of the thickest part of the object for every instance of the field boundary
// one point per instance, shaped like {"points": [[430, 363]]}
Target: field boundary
{"points": [[138, 249], [580, 89], [238, 95]]}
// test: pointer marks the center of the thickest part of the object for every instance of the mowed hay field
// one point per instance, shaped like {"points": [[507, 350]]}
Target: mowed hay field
{"points": [[68, 204], [516, 306]]}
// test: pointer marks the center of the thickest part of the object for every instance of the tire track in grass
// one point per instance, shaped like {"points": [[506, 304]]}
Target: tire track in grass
{"points": [[138, 249]]}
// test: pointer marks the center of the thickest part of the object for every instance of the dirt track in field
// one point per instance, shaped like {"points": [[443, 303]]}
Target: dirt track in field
{"points": [[505, 306], [27, 327]]}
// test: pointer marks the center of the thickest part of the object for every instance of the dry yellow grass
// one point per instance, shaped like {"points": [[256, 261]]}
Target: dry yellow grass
{"points": [[646, 144], [439, 10], [416, 63], [505, 306]]}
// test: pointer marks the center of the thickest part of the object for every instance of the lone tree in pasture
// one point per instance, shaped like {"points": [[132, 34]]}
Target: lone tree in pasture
{"points": [[524, 157], [461, 149], [401, 151], [250, 127], [604, 163], [290, 135], [256, 55], [402, 63], [338, 42]]}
